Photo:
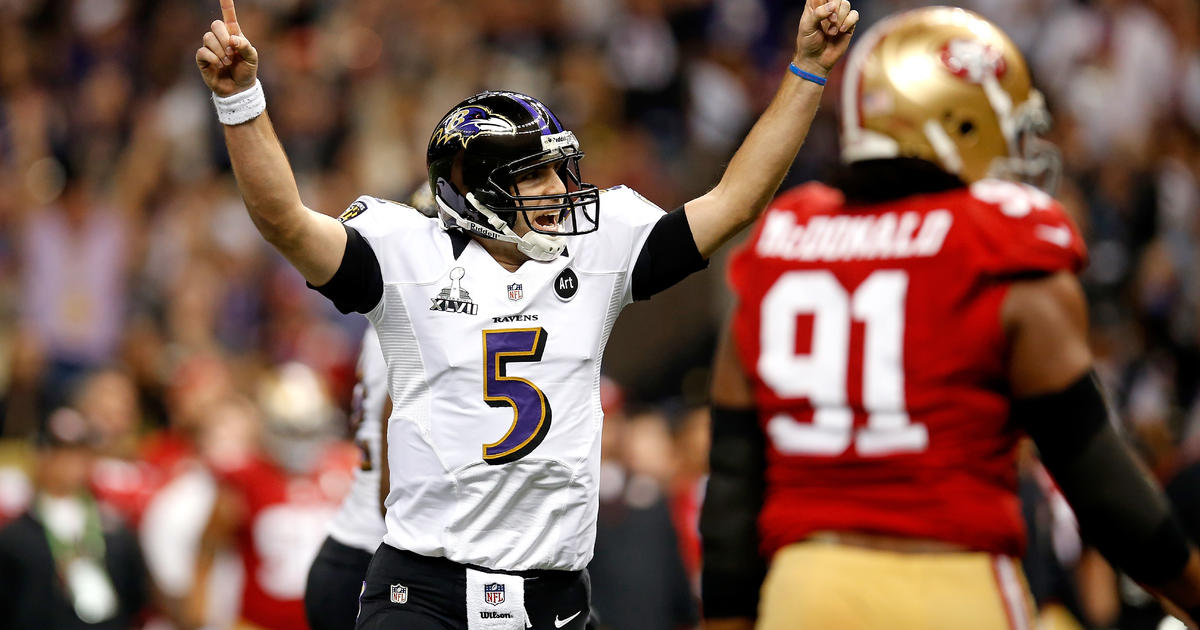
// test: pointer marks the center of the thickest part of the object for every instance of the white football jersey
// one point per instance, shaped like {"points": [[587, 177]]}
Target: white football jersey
{"points": [[494, 437], [358, 522]]}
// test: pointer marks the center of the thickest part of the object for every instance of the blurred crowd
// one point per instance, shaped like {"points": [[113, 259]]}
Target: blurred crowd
{"points": [[144, 323]]}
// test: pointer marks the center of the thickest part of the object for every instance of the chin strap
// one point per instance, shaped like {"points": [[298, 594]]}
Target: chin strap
{"points": [[538, 246]]}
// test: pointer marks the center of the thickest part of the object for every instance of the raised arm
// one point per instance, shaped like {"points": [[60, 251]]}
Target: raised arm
{"points": [[1121, 511], [311, 241], [758, 167]]}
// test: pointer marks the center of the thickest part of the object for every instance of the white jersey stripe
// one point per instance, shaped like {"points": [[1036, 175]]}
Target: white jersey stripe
{"points": [[1012, 592], [358, 522]]}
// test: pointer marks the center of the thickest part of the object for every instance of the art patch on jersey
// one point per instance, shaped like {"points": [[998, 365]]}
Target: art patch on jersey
{"points": [[399, 594], [454, 298], [354, 210], [566, 285], [516, 291], [469, 122], [493, 593]]}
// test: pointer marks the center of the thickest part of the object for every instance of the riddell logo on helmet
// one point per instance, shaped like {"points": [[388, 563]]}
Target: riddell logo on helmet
{"points": [[558, 140]]}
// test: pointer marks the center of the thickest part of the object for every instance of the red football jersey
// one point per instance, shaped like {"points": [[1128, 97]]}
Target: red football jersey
{"points": [[286, 520], [874, 343], [128, 486]]}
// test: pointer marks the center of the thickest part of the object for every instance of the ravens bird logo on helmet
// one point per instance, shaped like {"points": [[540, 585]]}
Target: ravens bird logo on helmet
{"points": [[465, 123]]}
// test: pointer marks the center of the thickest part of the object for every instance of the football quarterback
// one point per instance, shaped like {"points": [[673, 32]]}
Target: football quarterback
{"points": [[493, 320]]}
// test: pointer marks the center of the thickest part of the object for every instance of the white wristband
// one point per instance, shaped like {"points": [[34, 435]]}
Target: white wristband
{"points": [[246, 105]]}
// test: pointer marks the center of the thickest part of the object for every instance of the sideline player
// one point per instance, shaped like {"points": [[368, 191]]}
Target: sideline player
{"points": [[281, 481], [493, 323], [335, 578], [886, 331]]}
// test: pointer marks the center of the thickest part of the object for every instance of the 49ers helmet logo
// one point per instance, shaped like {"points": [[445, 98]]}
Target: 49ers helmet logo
{"points": [[972, 60]]}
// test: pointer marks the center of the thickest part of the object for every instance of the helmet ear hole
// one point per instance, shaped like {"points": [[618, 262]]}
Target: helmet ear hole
{"points": [[964, 130], [968, 131], [963, 126]]}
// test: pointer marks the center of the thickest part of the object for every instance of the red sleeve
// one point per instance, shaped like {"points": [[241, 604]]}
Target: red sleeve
{"points": [[1020, 229], [240, 475]]}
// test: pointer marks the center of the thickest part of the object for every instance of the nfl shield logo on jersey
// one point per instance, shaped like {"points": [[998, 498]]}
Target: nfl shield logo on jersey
{"points": [[515, 291], [400, 594], [493, 593]]}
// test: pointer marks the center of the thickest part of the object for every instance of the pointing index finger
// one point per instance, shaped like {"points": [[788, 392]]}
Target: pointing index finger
{"points": [[229, 16]]}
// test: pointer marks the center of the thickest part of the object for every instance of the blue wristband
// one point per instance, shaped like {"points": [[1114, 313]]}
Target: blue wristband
{"points": [[807, 76]]}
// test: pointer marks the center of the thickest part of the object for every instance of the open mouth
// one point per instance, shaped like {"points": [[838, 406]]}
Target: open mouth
{"points": [[547, 221]]}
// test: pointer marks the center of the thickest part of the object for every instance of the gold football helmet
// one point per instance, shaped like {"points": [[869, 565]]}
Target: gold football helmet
{"points": [[948, 86]]}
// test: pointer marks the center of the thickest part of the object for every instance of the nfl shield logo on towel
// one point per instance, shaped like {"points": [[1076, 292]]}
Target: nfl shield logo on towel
{"points": [[515, 291], [399, 594], [493, 594]]}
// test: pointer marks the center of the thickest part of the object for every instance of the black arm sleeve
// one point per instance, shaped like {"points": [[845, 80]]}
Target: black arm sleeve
{"points": [[668, 256], [357, 286], [1121, 512], [733, 567]]}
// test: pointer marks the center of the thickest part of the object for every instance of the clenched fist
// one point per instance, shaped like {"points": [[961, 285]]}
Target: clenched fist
{"points": [[824, 34], [227, 61]]}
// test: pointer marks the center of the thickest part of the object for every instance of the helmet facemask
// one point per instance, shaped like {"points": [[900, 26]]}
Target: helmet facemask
{"points": [[1032, 159], [577, 207]]}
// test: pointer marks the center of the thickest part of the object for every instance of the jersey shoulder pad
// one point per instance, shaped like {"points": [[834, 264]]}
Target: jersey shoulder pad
{"points": [[792, 206], [626, 218], [1019, 229], [374, 217], [624, 206], [808, 198]]}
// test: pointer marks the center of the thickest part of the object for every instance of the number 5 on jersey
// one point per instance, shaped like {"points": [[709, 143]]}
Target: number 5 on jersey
{"points": [[531, 408], [820, 376]]}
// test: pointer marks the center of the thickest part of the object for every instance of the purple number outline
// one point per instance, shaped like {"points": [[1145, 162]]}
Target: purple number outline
{"points": [[531, 408]]}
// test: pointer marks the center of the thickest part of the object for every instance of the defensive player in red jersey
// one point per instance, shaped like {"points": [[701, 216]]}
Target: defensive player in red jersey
{"points": [[274, 505], [894, 338]]}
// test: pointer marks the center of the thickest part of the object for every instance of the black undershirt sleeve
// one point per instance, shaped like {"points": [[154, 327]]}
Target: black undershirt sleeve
{"points": [[733, 569], [668, 256], [357, 286], [1120, 510]]}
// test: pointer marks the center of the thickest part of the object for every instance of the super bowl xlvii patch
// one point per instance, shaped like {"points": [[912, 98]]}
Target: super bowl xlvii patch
{"points": [[493, 593], [454, 298], [399, 594], [354, 210]]}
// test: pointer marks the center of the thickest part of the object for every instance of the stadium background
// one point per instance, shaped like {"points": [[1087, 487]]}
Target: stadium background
{"points": [[132, 284]]}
